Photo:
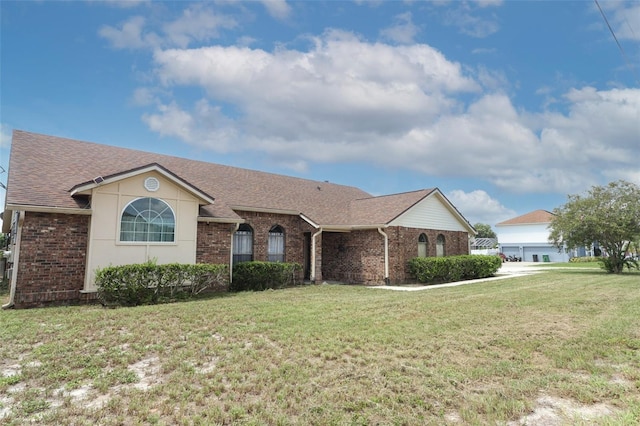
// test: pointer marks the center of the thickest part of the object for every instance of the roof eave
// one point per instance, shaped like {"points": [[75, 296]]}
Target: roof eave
{"points": [[48, 209], [87, 187], [264, 210], [208, 219]]}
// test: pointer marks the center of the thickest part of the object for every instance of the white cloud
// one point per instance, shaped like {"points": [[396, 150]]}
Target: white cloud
{"points": [[403, 29], [345, 99], [488, 3], [478, 206], [279, 9], [129, 35], [470, 21], [198, 23], [624, 17], [5, 136]]}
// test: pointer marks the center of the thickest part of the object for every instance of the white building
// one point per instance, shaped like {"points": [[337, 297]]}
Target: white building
{"points": [[527, 237]]}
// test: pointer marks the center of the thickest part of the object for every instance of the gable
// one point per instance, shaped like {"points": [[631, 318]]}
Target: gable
{"points": [[433, 212], [152, 174]]}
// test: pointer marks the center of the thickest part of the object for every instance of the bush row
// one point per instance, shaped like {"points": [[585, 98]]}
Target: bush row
{"points": [[585, 259], [258, 276], [148, 283], [453, 268]]}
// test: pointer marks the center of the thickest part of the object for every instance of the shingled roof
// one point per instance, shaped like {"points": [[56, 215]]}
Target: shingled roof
{"points": [[383, 209], [44, 169], [531, 218]]}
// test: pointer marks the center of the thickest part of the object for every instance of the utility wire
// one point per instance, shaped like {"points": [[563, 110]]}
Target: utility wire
{"points": [[624, 55]]}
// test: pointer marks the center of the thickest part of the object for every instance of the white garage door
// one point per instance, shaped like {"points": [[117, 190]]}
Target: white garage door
{"points": [[531, 253]]}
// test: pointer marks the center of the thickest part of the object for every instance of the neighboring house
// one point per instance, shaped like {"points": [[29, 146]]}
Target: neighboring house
{"points": [[527, 237], [73, 207]]}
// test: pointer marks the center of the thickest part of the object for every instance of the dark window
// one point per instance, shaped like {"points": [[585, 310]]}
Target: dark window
{"points": [[276, 244], [243, 244]]}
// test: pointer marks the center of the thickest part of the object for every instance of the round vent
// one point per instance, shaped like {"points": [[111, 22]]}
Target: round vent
{"points": [[151, 184]]}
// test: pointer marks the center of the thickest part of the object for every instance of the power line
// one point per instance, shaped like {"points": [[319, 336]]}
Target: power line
{"points": [[624, 55]]}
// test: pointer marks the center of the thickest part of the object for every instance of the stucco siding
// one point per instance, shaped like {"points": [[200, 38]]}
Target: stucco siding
{"points": [[108, 202]]}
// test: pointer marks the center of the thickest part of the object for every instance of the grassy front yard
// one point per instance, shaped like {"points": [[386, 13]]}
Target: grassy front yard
{"points": [[564, 344]]}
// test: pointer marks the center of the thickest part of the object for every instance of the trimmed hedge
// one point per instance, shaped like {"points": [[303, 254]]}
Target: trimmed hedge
{"points": [[585, 259], [148, 283], [258, 276], [434, 270]]}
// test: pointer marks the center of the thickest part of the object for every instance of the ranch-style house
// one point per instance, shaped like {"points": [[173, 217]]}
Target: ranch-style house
{"points": [[73, 207]]}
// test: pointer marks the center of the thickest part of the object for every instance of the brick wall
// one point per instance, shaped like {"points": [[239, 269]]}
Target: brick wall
{"points": [[358, 257], [294, 229], [213, 243], [405, 247], [54, 246], [52, 262], [353, 257]]}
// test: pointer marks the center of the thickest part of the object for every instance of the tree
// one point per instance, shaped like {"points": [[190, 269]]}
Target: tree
{"points": [[608, 215], [484, 231]]}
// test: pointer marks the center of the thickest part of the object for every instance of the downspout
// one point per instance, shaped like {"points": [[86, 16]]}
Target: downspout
{"points": [[237, 226], [16, 259], [313, 255], [386, 256]]}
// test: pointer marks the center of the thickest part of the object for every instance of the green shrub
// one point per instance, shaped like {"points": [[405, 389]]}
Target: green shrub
{"points": [[585, 259], [148, 283], [258, 276], [453, 268]]}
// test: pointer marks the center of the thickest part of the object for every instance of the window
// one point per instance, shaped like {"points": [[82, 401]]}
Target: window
{"points": [[276, 244], [243, 244], [147, 220], [440, 246], [422, 245]]}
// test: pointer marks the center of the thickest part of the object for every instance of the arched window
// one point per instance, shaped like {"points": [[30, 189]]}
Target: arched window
{"points": [[243, 244], [440, 251], [422, 245], [276, 244], [147, 220]]}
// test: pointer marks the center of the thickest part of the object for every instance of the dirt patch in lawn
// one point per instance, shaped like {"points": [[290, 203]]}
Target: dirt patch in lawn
{"points": [[551, 411]]}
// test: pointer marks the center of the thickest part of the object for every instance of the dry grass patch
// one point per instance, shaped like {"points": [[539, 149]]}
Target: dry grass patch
{"points": [[560, 344]]}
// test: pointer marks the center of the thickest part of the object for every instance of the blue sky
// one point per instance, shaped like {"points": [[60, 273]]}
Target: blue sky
{"points": [[506, 106]]}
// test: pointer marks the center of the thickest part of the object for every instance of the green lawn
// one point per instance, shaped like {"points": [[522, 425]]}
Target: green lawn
{"points": [[487, 353], [579, 265]]}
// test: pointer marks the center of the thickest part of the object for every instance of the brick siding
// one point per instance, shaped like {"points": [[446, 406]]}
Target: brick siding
{"points": [[353, 257], [405, 248], [54, 246], [358, 257], [294, 228], [213, 243], [52, 262]]}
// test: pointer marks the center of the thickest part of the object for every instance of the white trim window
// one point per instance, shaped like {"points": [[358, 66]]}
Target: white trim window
{"points": [[243, 244], [147, 220], [423, 243], [276, 244], [440, 244]]}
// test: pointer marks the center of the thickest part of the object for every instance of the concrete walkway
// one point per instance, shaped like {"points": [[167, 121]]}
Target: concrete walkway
{"points": [[508, 270]]}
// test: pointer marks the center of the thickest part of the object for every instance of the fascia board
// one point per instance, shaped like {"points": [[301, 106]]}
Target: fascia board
{"points": [[87, 187]]}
